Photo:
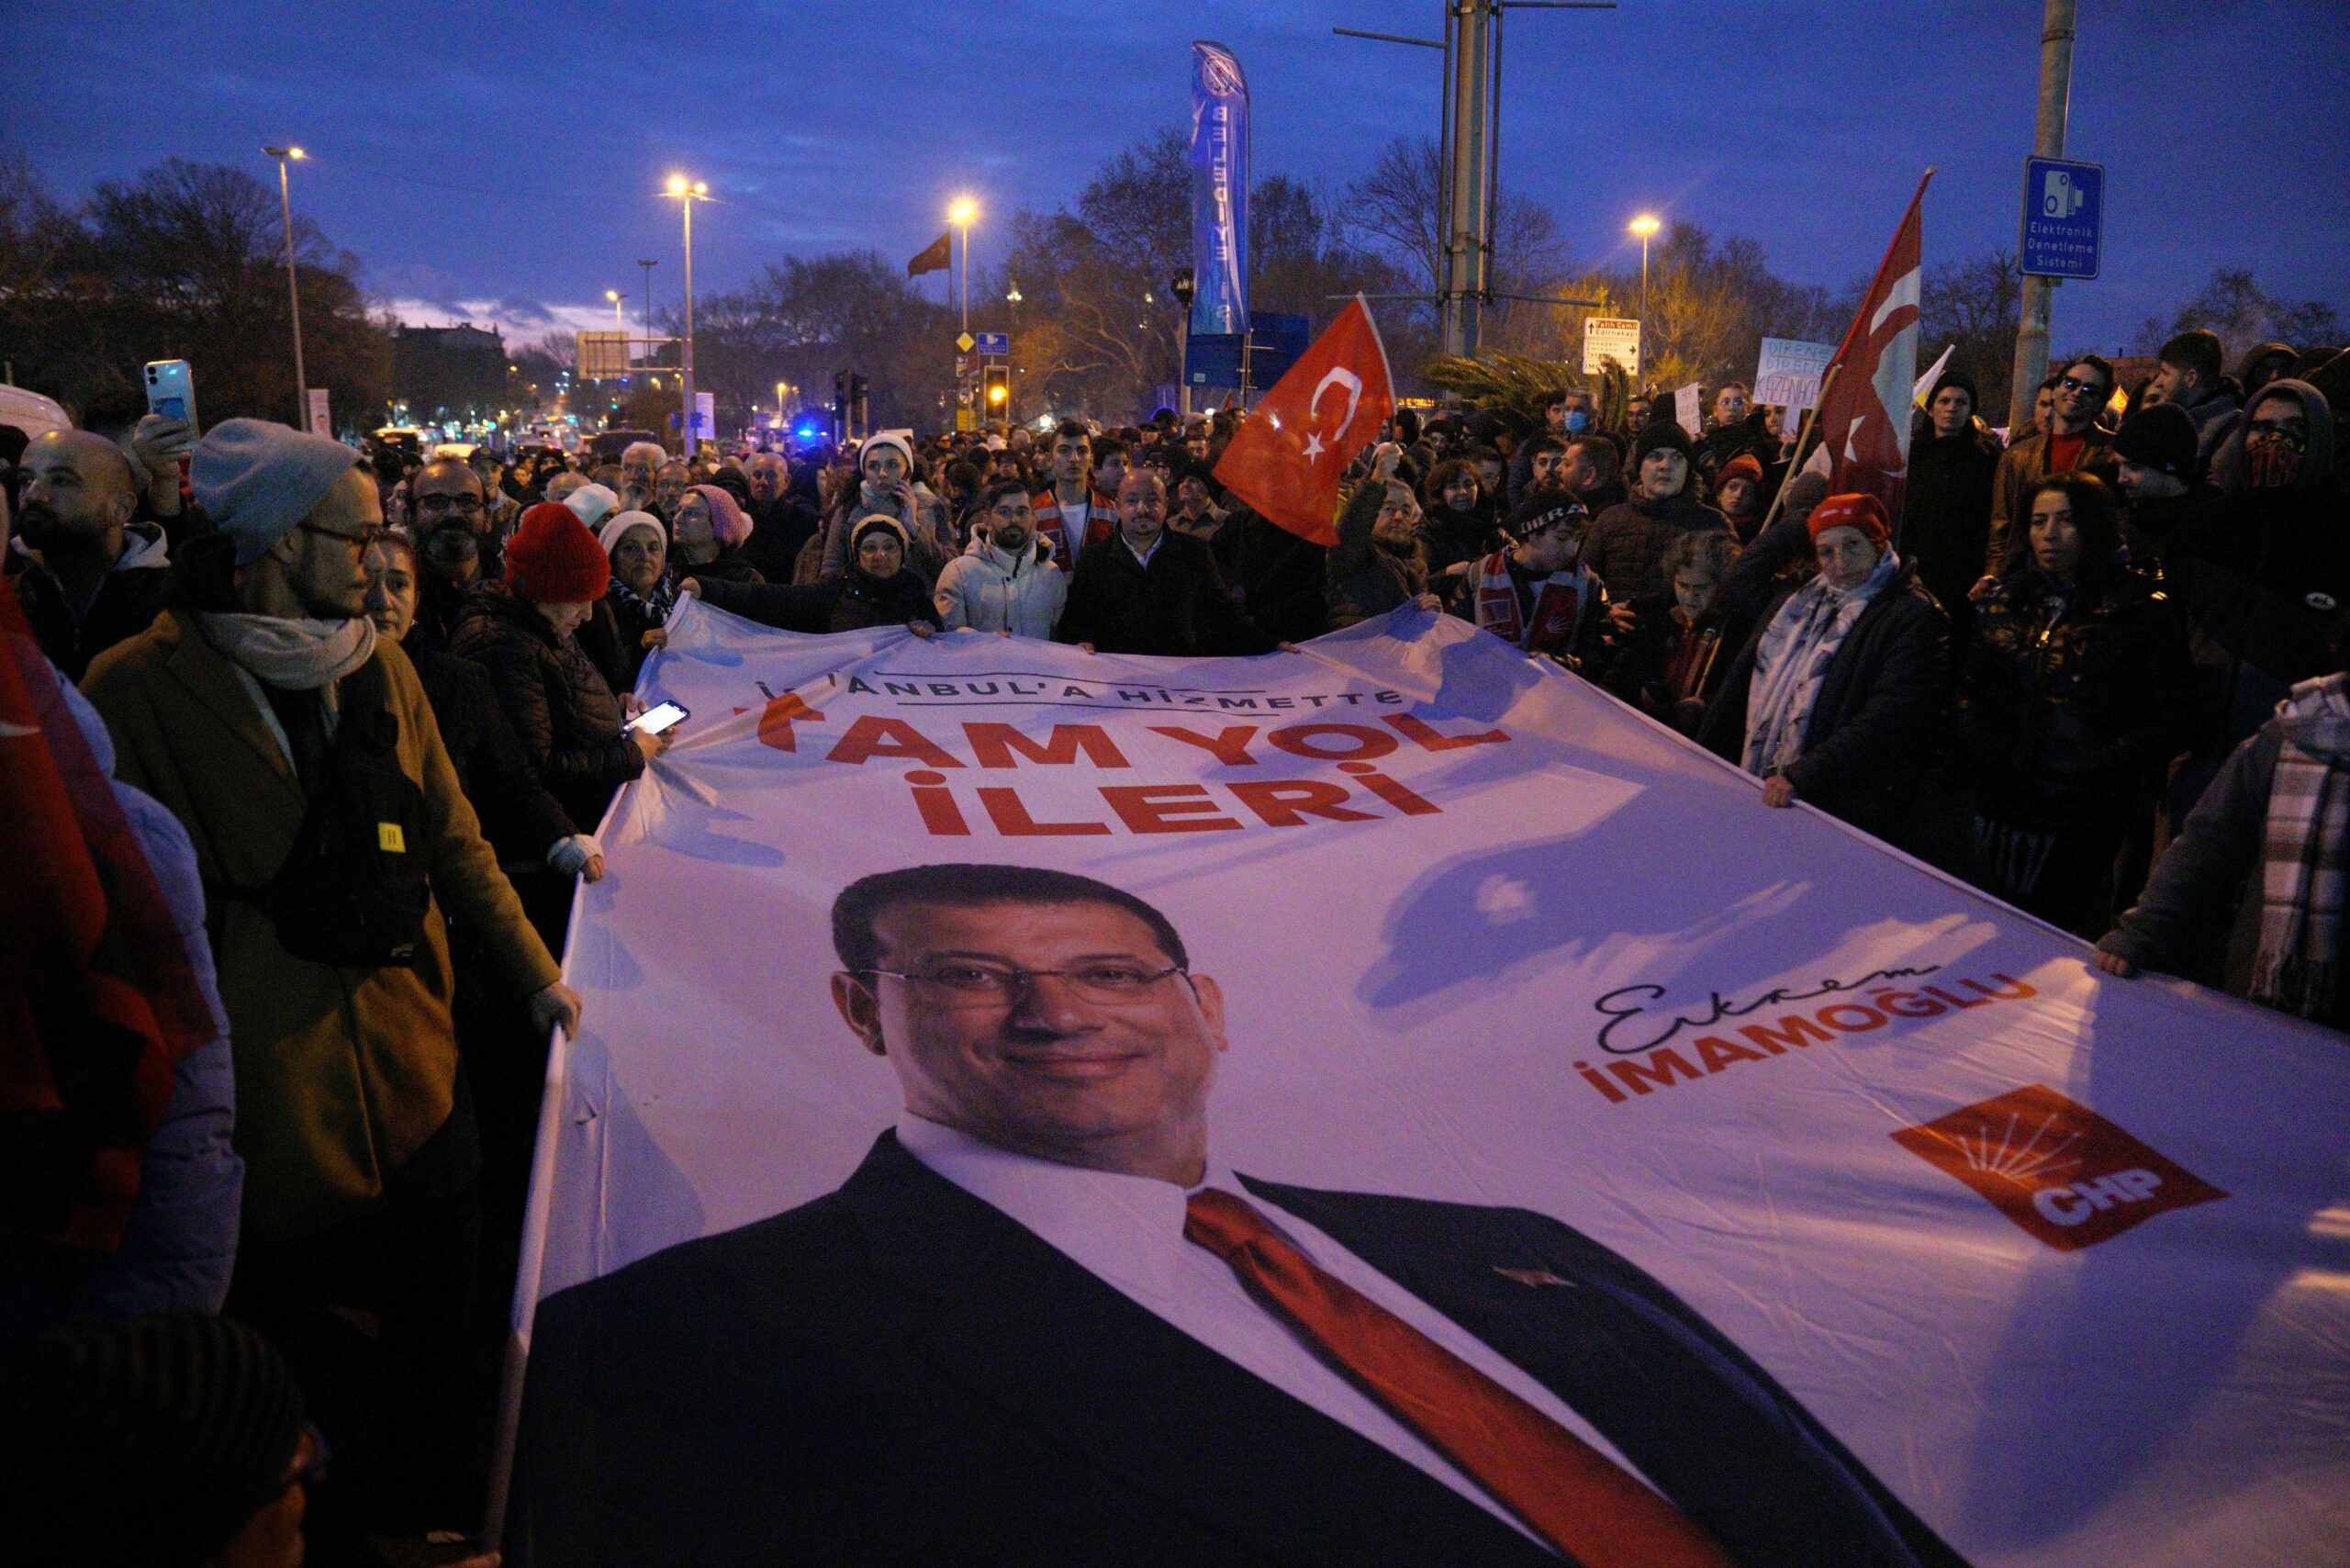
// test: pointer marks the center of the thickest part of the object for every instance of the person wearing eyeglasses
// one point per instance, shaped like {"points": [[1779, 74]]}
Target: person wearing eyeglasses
{"points": [[2074, 442], [267, 714], [450, 518], [1045, 1322]]}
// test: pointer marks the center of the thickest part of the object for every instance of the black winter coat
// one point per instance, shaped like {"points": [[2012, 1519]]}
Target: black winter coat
{"points": [[1638, 673], [1449, 538], [1277, 576], [1881, 698], [2065, 698], [1366, 580], [1176, 607], [849, 603], [1628, 543], [564, 711], [2266, 577], [777, 534], [128, 599], [1946, 511], [518, 814]]}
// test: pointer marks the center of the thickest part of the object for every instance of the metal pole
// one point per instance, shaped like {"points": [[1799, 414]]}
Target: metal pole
{"points": [[1465, 219], [964, 286], [1644, 290], [687, 380], [2047, 142], [293, 298]]}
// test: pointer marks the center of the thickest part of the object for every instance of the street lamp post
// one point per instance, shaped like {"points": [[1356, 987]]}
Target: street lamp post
{"points": [[1644, 226], [960, 215], [648, 267], [617, 325], [686, 196], [292, 286]]}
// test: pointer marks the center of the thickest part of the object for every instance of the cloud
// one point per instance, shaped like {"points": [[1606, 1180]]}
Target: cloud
{"points": [[521, 322]]}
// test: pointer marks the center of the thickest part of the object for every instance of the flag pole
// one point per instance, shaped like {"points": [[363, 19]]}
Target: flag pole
{"points": [[1810, 417]]}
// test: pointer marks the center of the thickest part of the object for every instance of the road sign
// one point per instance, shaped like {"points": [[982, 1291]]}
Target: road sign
{"points": [[321, 421], [965, 420], [1607, 337], [2063, 219], [996, 343], [964, 364], [602, 356], [965, 342]]}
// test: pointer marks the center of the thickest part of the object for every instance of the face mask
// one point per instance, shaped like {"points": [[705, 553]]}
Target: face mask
{"points": [[1577, 422], [2272, 459]]}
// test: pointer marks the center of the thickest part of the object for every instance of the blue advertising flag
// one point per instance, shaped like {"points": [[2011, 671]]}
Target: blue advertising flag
{"points": [[1219, 190]]}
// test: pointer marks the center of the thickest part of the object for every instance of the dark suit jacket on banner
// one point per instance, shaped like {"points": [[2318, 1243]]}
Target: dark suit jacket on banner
{"points": [[899, 1373]]}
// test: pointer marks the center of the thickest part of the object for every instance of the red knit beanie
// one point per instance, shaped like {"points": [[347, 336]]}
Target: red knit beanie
{"points": [[1862, 511], [552, 559], [1745, 465]]}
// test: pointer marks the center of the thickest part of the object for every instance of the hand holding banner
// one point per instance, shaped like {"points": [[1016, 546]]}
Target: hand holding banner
{"points": [[1290, 456]]}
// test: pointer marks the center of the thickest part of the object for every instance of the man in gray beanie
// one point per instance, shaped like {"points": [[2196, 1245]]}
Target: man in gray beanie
{"points": [[266, 715]]}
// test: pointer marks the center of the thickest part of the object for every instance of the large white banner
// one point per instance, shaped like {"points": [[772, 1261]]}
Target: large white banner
{"points": [[1528, 1009]]}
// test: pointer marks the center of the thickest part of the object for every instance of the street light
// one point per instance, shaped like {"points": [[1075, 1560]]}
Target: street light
{"points": [[618, 326], [1644, 226], [960, 215], [292, 287], [686, 194]]}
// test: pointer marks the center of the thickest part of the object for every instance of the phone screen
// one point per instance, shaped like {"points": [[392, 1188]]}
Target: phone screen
{"points": [[652, 721]]}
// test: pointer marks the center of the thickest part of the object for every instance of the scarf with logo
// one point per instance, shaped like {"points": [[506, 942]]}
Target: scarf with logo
{"points": [[2305, 861], [1561, 601], [1792, 661]]}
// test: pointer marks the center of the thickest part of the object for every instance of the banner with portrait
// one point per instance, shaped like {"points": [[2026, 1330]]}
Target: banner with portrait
{"points": [[2055, 1268]]}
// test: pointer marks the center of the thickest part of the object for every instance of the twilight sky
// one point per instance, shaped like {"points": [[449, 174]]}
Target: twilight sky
{"points": [[501, 163]]}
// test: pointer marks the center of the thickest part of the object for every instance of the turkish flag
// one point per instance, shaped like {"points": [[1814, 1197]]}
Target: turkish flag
{"points": [[937, 257], [1864, 412], [1292, 453]]}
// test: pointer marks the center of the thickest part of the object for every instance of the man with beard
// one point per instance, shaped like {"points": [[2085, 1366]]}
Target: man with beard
{"points": [[1150, 591], [2189, 375], [265, 712], [451, 524], [781, 522], [92, 577], [1004, 581]]}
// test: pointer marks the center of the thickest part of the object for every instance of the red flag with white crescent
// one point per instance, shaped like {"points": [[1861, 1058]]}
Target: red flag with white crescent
{"points": [[1292, 453], [1864, 412]]}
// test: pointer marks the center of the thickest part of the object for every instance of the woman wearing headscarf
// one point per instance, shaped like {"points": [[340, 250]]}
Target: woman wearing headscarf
{"points": [[1830, 702], [878, 590], [710, 529], [621, 631]]}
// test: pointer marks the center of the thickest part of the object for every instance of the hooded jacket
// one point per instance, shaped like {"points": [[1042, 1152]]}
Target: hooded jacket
{"points": [[987, 590], [128, 599], [2200, 915]]}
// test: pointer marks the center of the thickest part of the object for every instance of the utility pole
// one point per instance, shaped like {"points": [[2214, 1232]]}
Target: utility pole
{"points": [[648, 267], [292, 285], [1470, 159], [2047, 142]]}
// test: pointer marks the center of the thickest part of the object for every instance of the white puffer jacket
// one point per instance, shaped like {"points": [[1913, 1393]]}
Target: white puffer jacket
{"points": [[988, 590]]}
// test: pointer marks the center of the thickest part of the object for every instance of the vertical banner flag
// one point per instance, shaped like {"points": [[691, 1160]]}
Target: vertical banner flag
{"points": [[1219, 191], [1865, 413], [997, 1059], [1288, 459]]}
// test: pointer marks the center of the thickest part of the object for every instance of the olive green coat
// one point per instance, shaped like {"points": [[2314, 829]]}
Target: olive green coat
{"points": [[342, 1073]]}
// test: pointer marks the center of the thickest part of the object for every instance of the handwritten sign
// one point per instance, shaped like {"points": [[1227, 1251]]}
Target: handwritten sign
{"points": [[1789, 372]]}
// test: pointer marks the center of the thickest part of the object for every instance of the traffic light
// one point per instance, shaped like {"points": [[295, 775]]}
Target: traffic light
{"points": [[840, 401], [856, 384], [996, 389]]}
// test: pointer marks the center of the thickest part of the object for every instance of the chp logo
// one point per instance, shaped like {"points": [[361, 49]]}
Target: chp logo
{"points": [[2066, 1174]]}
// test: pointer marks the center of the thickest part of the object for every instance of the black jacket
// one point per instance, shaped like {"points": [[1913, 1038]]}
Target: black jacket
{"points": [[1365, 578], [779, 530], [1176, 607], [518, 816], [1628, 543], [1448, 537], [1946, 511], [2064, 699], [1880, 698], [564, 711], [1638, 672], [899, 1373], [130, 597], [1277, 576]]}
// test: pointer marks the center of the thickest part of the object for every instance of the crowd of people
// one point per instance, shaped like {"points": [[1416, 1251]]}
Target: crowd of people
{"points": [[2097, 669]]}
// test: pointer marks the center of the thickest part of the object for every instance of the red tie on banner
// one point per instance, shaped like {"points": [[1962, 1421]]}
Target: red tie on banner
{"points": [[1292, 453]]}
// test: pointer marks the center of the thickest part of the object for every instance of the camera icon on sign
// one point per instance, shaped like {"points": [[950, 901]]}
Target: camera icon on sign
{"points": [[2059, 197]]}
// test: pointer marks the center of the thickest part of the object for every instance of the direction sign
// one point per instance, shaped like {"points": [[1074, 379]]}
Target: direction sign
{"points": [[965, 342], [1610, 337], [2063, 219], [996, 343]]}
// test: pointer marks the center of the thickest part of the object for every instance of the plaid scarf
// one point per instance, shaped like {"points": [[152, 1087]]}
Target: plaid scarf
{"points": [[2306, 853]]}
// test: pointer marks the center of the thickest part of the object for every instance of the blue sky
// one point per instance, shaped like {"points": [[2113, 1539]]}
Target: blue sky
{"points": [[502, 161]]}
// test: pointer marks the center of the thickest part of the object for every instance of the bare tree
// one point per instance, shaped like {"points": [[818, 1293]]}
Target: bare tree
{"points": [[1973, 304], [2245, 315]]}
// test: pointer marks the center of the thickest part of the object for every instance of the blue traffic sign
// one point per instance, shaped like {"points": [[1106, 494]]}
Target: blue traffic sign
{"points": [[997, 343], [2063, 219]]}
